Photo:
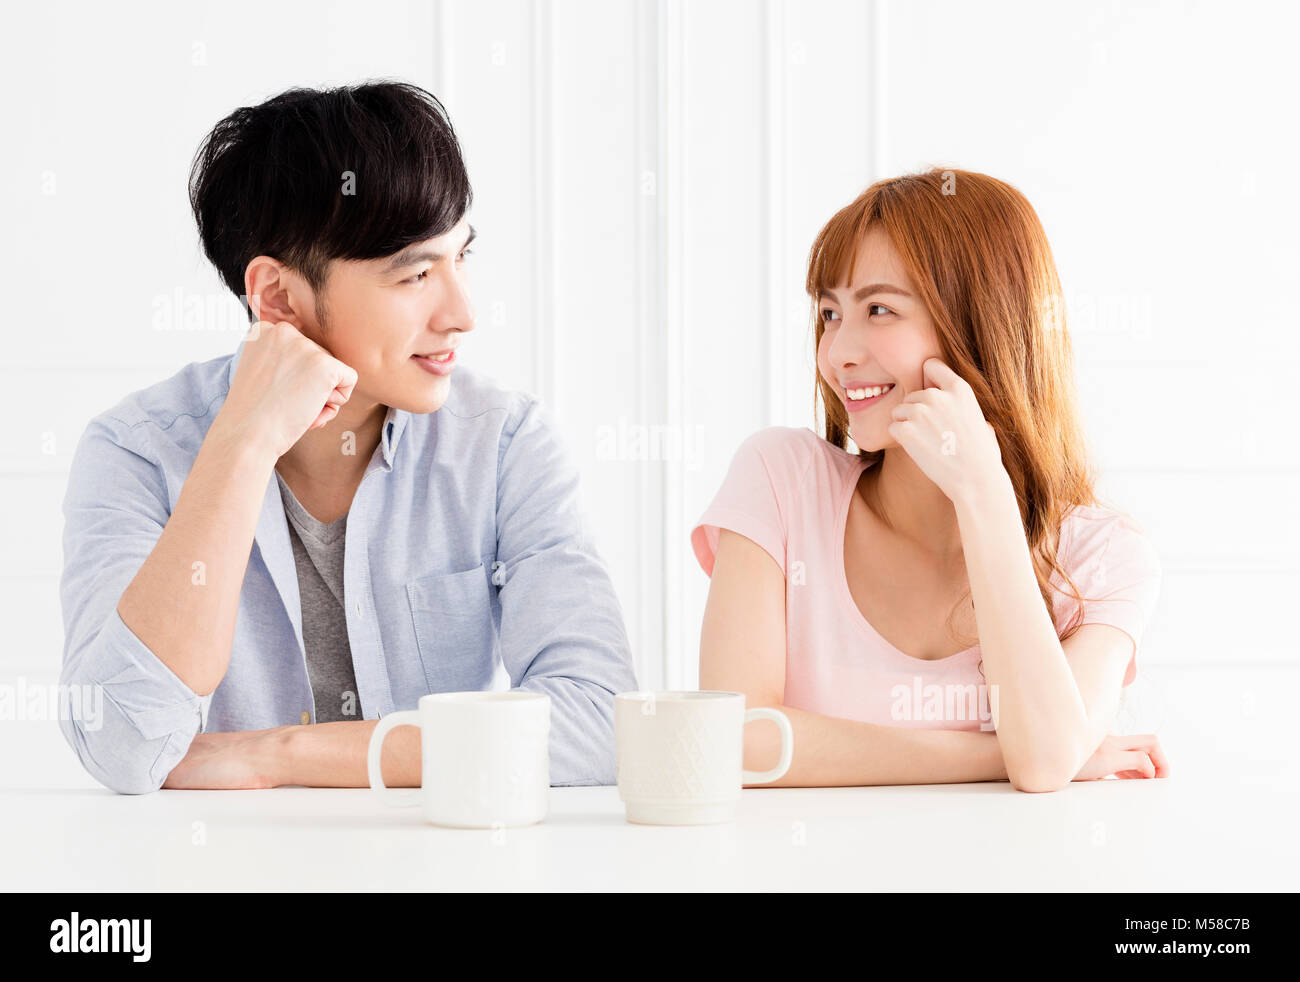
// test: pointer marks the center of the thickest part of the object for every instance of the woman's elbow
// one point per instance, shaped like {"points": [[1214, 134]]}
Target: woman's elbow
{"points": [[1039, 779]]}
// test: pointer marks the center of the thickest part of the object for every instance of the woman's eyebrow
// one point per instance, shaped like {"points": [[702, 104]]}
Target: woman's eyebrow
{"points": [[866, 291]]}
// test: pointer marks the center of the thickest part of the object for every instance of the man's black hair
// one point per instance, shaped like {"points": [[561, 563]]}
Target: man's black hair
{"points": [[273, 179]]}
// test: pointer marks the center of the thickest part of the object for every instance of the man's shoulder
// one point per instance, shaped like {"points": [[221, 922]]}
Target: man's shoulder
{"points": [[486, 428], [477, 397], [180, 406]]}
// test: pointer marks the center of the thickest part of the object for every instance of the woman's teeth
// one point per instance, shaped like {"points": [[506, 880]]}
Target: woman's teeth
{"points": [[437, 357], [871, 393]]}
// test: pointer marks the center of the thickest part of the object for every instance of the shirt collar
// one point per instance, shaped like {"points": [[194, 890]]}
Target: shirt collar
{"points": [[390, 434]]}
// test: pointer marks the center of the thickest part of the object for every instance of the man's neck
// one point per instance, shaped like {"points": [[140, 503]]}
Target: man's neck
{"points": [[338, 452]]}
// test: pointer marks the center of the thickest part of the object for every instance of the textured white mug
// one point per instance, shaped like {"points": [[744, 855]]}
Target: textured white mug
{"points": [[681, 755], [485, 760]]}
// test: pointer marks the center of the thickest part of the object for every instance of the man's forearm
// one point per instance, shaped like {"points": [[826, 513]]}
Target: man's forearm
{"points": [[333, 755], [182, 602], [832, 752]]}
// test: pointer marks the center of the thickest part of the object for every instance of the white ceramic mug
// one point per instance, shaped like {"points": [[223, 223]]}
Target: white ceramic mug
{"points": [[681, 755], [485, 761]]}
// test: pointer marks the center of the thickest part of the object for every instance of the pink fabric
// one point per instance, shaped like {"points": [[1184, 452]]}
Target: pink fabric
{"points": [[788, 490]]}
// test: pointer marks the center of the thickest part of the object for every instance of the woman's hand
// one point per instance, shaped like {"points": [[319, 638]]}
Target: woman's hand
{"points": [[1127, 757], [943, 429]]}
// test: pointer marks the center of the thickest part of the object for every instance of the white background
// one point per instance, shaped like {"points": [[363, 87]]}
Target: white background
{"points": [[648, 178]]}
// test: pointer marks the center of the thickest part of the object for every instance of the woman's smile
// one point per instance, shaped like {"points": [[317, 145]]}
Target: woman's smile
{"points": [[859, 396]]}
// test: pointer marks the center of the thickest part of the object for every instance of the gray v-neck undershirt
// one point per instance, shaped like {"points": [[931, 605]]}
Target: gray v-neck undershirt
{"points": [[318, 551]]}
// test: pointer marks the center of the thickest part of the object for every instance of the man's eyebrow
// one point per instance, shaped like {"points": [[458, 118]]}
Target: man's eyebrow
{"points": [[413, 255], [866, 291]]}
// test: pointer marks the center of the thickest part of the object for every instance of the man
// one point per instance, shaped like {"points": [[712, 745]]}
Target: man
{"points": [[268, 551]]}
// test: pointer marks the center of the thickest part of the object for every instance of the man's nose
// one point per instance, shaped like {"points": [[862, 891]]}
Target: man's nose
{"points": [[456, 312]]}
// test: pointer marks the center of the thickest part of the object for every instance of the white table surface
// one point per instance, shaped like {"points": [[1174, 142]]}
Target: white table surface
{"points": [[1224, 821], [1131, 835]]}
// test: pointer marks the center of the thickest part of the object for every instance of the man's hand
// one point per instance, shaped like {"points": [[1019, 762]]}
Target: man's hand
{"points": [[229, 761], [285, 385]]}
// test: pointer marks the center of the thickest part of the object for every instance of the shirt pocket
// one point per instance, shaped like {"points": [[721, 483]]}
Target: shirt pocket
{"points": [[455, 635]]}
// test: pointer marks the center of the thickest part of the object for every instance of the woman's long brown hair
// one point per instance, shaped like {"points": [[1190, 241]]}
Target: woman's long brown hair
{"points": [[975, 249]]}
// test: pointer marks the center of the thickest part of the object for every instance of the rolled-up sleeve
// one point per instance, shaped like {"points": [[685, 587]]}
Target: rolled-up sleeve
{"points": [[562, 629], [129, 718]]}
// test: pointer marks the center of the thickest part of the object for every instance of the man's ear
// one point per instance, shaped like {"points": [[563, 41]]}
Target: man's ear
{"points": [[267, 282]]}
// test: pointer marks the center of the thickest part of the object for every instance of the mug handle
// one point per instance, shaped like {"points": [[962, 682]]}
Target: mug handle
{"points": [[787, 746], [374, 765]]}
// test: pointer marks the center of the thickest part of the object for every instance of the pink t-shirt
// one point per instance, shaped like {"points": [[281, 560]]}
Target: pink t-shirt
{"points": [[789, 490]]}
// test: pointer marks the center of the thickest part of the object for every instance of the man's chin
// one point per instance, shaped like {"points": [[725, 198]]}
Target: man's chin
{"points": [[430, 400]]}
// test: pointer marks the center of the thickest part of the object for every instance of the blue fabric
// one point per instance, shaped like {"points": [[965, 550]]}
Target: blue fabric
{"points": [[469, 566]]}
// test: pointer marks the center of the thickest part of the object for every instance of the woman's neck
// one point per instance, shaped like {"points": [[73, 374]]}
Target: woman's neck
{"points": [[912, 505]]}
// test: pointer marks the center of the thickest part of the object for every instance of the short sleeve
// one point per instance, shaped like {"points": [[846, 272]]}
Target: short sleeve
{"points": [[753, 499], [1117, 571]]}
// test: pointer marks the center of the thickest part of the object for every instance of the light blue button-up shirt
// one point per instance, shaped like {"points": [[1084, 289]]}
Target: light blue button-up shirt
{"points": [[468, 566]]}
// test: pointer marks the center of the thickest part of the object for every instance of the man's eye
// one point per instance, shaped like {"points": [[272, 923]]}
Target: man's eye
{"points": [[420, 277]]}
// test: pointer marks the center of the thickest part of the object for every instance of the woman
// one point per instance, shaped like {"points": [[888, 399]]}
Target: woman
{"points": [[956, 575]]}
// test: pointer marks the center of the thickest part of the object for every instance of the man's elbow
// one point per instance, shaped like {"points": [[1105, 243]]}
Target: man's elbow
{"points": [[604, 766], [133, 782], [123, 777], [582, 739], [129, 773], [597, 768], [603, 759]]}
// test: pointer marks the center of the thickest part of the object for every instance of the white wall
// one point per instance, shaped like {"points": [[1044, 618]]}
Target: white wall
{"points": [[648, 178], [1153, 139]]}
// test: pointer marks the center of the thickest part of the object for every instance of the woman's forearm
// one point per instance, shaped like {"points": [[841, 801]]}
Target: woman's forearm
{"points": [[832, 752], [1040, 717]]}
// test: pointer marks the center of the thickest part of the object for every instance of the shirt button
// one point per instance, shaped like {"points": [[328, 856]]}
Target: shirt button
{"points": [[306, 717]]}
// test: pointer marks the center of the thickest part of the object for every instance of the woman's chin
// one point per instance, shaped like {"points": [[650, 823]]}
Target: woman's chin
{"points": [[869, 440]]}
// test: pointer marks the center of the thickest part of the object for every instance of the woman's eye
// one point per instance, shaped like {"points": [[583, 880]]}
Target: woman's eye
{"points": [[828, 313], [466, 252]]}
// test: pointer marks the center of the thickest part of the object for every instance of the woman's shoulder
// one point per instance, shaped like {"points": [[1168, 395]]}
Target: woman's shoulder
{"points": [[794, 451], [776, 489], [1091, 519], [1100, 533]]}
